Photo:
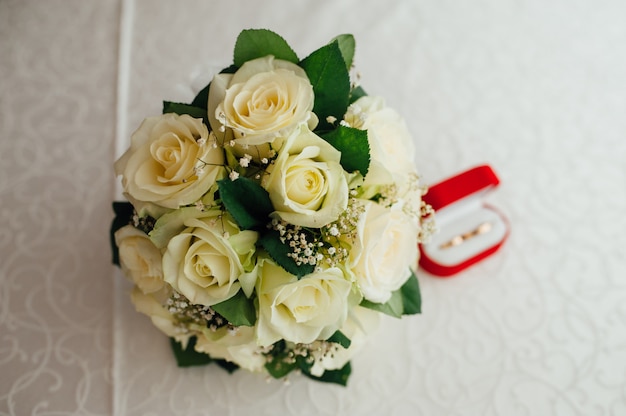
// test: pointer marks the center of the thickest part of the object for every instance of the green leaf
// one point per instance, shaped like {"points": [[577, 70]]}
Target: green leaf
{"points": [[411, 297], [279, 251], [347, 45], [277, 365], [282, 364], [339, 338], [238, 310], [340, 376], [329, 77], [123, 216], [180, 109], [229, 69], [357, 93], [247, 202], [392, 307], [202, 99], [257, 43], [227, 365], [278, 368], [404, 301], [189, 357], [354, 148]]}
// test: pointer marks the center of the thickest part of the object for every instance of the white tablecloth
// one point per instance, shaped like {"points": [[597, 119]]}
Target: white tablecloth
{"points": [[535, 88]]}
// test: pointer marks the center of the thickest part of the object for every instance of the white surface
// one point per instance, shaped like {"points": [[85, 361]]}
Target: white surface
{"points": [[535, 88]]}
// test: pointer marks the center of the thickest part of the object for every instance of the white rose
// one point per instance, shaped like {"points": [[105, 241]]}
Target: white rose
{"points": [[170, 162], [140, 260], [237, 346], [392, 149], [300, 311], [385, 250], [265, 98], [209, 261], [306, 183], [151, 305]]}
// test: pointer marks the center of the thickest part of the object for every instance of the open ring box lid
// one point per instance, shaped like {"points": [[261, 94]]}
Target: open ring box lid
{"points": [[469, 229]]}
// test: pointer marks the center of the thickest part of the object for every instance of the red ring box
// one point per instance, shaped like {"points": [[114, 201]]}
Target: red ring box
{"points": [[460, 210]]}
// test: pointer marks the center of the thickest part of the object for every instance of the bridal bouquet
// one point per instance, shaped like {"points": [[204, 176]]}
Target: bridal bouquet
{"points": [[272, 219]]}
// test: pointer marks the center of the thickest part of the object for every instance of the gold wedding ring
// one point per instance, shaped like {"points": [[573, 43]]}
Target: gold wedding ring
{"points": [[483, 228]]}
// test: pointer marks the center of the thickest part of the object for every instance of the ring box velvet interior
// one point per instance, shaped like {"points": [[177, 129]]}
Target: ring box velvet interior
{"points": [[469, 229]]}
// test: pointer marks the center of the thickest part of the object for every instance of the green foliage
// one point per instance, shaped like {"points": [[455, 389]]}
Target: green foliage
{"points": [[405, 301], [229, 69], [250, 206], [329, 77], [393, 307], [340, 338], [226, 365], [357, 93], [333, 376], [123, 216], [277, 365], [246, 201], [281, 364], [354, 148], [189, 357], [202, 99], [180, 109], [347, 45], [257, 43], [411, 296], [238, 310]]}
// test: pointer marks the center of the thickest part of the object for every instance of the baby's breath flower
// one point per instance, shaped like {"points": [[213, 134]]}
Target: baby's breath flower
{"points": [[186, 313], [198, 170], [145, 224], [315, 351], [304, 245]]}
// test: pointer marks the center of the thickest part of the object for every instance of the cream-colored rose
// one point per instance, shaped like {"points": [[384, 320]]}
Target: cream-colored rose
{"points": [[300, 311], [385, 251], [392, 149], [151, 305], [360, 324], [171, 162], [140, 260], [389, 138], [238, 346], [306, 183], [209, 261], [265, 98]]}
